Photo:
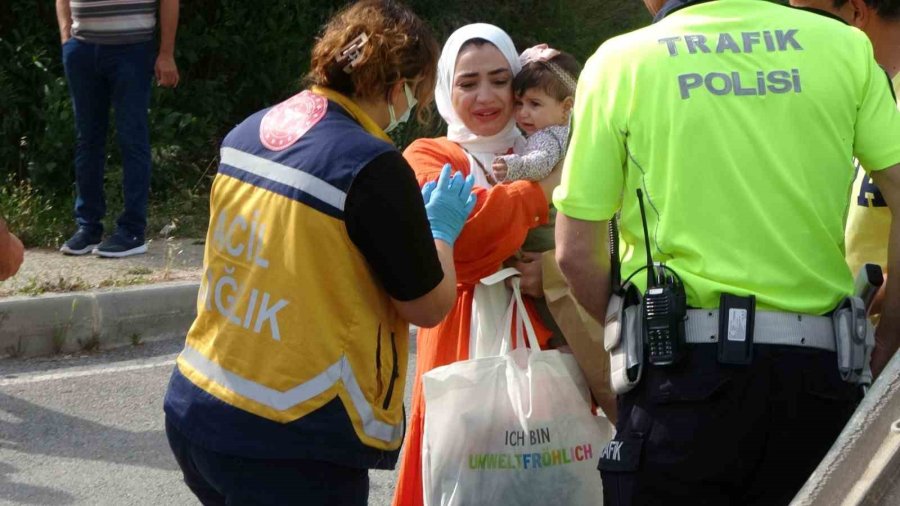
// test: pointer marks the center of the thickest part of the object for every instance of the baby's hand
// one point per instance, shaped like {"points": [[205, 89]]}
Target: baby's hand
{"points": [[500, 168]]}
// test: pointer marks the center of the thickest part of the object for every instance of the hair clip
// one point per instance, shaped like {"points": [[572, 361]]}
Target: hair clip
{"points": [[352, 52], [540, 53]]}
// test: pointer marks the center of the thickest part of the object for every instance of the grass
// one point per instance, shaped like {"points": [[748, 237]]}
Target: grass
{"points": [[172, 250], [15, 351], [90, 344], [123, 282], [46, 220], [36, 219], [35, 286], [59, 338], [188, 211], [62, 333]]}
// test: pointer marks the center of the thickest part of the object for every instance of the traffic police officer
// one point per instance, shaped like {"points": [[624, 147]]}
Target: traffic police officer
{"points": [[737, 119], [319, 255]]}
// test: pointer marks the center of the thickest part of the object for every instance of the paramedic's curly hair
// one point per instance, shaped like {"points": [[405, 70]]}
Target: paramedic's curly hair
{"points": [[400, 47]]}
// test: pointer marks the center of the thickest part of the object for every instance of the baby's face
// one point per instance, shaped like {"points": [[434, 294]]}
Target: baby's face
{"points": [[535, 109]]}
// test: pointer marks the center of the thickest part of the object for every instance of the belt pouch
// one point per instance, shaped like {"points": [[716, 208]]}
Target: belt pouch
{"points": [[854, 340], [736, 318], [622, 339]]}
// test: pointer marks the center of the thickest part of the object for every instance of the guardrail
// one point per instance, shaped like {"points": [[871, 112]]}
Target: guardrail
{"points": [[863, 465]]}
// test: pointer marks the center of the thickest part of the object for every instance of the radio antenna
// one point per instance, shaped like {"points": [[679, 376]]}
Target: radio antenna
{"points": [[615, 264], [651, 272]]}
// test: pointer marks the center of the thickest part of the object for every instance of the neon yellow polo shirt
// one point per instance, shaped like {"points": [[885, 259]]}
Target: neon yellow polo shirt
{"points": [[739, 120], [869, 220]]}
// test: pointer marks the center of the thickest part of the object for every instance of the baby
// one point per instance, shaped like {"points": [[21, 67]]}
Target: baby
{"points": [[545, 93]]}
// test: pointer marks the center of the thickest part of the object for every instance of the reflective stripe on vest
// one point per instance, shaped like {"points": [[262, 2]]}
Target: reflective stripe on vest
{"points": [[289, 176], [283, 401]]}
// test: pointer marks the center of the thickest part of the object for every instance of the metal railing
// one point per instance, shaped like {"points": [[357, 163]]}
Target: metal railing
{"points": [[863, 465]]}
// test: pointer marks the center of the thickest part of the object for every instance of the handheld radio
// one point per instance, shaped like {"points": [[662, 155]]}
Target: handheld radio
{"points": [[664, 307]]}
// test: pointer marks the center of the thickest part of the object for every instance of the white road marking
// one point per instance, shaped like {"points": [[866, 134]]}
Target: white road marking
{"points": [[79, 372]]}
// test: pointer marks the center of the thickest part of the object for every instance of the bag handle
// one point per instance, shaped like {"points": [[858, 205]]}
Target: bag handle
{"points": [[506, 327], [517, 306], [523, 318], [500, 275]]}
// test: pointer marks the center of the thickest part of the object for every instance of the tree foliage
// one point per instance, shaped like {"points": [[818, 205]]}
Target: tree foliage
{"points": [[235, 57]]}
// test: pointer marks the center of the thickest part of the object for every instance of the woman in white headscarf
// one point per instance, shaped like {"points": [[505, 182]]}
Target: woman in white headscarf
{"points": [[474, 96], [487, 48]]}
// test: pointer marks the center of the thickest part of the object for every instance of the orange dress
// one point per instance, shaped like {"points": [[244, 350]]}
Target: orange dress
{"points": [[494, 231]]}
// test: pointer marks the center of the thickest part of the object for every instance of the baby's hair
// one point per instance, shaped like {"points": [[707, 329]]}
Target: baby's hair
{"points": [[537, 74], [391, 45]]}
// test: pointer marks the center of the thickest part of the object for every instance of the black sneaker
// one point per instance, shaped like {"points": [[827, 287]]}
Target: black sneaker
{"points": [[81, 243], [120, 245]]}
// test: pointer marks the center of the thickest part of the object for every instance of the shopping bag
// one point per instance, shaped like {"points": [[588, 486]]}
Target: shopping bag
{"points": [[515, 428]]}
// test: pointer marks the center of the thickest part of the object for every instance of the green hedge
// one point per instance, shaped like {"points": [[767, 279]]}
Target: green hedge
{"points": [[235, 57]]}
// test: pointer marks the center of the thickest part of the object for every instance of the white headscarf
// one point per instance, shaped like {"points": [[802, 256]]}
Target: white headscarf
{"points": [[484, 149]]}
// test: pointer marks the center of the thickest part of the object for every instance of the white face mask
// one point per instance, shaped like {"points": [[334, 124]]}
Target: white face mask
{"points": [[410, 102]]}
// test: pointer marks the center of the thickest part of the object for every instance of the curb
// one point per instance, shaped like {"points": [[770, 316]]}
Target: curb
{"points": [[66, 323]]}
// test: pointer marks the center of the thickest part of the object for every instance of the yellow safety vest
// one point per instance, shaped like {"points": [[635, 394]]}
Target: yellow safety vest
{"points": [[290, 315]]}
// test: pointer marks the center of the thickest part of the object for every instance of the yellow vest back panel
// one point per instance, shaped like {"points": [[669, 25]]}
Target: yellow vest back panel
{"points": [[290, 316]]}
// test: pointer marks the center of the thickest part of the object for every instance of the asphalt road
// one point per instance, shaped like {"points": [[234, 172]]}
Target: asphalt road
{"points": [[89, 430]]}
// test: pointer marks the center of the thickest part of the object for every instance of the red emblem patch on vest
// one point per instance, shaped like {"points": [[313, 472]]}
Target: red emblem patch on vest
{"points": [[285, 123]]}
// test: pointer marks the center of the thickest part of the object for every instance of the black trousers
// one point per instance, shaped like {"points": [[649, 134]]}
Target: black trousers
{"points": [[704, 433], [219, 479]]}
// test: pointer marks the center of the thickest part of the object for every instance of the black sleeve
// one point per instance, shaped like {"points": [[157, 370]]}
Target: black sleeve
{"points": [[385, 218]]}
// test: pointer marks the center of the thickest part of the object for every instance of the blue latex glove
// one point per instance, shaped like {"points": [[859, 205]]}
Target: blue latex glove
{"points": [[448, 202]]}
